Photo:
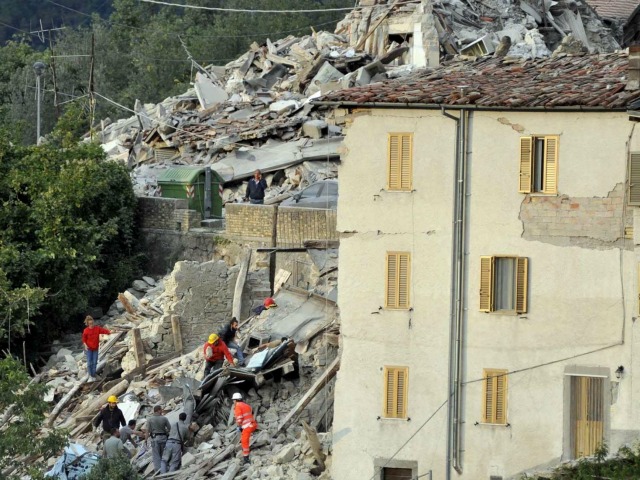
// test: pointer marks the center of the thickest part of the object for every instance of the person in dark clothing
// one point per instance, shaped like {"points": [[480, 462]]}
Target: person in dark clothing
{"points": [[255, 189], [228, 336], [110, 416]]}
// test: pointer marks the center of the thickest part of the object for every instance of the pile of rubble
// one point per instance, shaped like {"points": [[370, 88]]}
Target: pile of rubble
{"points": [[471, 28], [257, 112], [287, 380]]}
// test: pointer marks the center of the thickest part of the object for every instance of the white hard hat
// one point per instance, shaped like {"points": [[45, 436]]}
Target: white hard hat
{"points": [[236, 396]]}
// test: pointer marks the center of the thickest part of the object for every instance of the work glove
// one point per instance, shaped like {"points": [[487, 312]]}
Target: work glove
{"points": [[239, 430], [235, 361]]}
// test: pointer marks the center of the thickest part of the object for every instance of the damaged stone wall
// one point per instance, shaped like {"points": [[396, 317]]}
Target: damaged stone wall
{"points": [[294, 225], [164, 248], [201, 294], [166, 213], [589, 222], [250, 221]]}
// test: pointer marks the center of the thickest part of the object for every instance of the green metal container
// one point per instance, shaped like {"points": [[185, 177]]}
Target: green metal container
{"points": [[189, 183]]}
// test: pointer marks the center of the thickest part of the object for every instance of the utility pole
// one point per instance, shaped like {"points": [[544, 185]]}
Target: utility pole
{"points": [[53, 72], [39, 68], [92, 99]]}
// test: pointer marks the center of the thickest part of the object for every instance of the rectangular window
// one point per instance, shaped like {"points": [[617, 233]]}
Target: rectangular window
{"points": [[503, 284], [539, 164], [398, 280], [494, 408], [400, 162], [397, 474], [634, 178], [396, 381]]}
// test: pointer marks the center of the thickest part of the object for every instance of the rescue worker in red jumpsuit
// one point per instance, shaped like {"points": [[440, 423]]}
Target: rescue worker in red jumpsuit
{"points": [[246, 423], [215, 351]]}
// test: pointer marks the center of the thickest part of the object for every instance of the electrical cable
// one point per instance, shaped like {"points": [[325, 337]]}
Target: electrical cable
{"points": [[18, 29], [246, 10], [250, 35]]}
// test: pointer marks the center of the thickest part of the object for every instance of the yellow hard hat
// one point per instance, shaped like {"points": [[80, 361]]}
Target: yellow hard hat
{"points": [[213, 338], [112, 399]]}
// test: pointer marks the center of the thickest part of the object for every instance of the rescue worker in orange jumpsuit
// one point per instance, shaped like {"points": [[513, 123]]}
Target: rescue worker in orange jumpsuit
{"points": [[215, 351], [246, 423]]}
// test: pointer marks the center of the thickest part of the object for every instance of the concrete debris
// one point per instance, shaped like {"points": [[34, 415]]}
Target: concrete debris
{"points": [[255, 112], [281, 385]]}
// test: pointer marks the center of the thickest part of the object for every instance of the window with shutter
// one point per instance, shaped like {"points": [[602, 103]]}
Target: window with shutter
{"points": [[504, 284], [395, 392], [494, 407], [398, 280], [539, 164], [634, 178], [400, 162]]}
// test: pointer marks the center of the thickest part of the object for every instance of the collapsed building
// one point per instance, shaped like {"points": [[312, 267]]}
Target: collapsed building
{"points": [[287, 379], [257, 112]]}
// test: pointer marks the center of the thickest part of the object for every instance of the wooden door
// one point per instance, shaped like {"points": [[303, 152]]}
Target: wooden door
{"points": [[587, 415]]}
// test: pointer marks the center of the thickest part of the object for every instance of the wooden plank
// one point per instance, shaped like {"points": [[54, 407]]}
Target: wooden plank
{"points": [[381, 19], [319, 384], [322, 244], [177, 334], [242, 278], [314, 442], [125, 303], [138, 347], [96, 403], [233, 469]]}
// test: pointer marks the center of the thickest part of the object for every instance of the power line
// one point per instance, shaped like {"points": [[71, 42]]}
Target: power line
{"points": [[18, 29], [246, 10], [199, 36]]}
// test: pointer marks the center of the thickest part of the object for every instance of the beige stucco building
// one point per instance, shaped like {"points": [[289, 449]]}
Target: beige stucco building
{"points": [[488, 270]]}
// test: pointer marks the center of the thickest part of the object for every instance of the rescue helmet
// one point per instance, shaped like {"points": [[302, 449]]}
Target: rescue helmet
{"points": [[112, 399], [269, 303], [213, 338], [236, 396]]}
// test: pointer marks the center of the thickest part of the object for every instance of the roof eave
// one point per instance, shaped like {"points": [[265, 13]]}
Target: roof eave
{"points": [[440, 106]]}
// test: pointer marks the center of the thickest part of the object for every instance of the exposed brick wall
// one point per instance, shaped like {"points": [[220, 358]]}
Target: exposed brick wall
{"points": [[249, 221], [591, 222], [167, 213], [294, 225]]}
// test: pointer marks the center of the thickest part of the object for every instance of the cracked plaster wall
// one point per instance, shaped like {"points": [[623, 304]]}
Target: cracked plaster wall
{"points": [[589, 222]]}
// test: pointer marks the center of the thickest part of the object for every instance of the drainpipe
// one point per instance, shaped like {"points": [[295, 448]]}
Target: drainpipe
{"points": [[454, 420], [207, 192]]}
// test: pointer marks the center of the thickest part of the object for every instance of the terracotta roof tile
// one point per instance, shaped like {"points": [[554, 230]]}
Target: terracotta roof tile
{"points": [[615, 9], [566, 81]]}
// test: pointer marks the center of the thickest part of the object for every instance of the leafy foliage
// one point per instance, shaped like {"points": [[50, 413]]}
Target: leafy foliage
{"points": [[118, 468], [19, 435], [67, 229], [624, 465], [140, 52]]}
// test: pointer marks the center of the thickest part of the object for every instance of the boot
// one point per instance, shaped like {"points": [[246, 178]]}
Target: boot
{"points": [[246, 459]]}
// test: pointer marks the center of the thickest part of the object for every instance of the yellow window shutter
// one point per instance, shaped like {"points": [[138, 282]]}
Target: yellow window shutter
{"points": [[526, 164], [406, 159], [396, 381], [487, 409], [400, 162], [394, 170], [404, 272], [391, 299], [551, 164], [501, 395], [486, 284], [634, 178], [401, 403], [389, 392], [522, 267], [494, 408]]}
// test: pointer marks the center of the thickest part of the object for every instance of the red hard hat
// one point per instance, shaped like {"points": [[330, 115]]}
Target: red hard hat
{"points": [[269, 302]]}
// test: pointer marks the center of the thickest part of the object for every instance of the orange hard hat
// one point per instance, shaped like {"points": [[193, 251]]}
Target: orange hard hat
{"points": [[269, 302]]}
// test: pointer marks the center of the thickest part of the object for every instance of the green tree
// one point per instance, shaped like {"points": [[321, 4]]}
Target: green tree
{"points": [[67, 225], [21, 441], [118, 468]]}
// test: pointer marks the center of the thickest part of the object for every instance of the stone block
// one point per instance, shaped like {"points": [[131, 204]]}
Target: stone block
{"points": [[285, 454]]}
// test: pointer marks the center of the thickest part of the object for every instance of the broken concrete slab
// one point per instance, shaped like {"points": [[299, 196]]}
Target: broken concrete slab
{"points": [[208, 93]]}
